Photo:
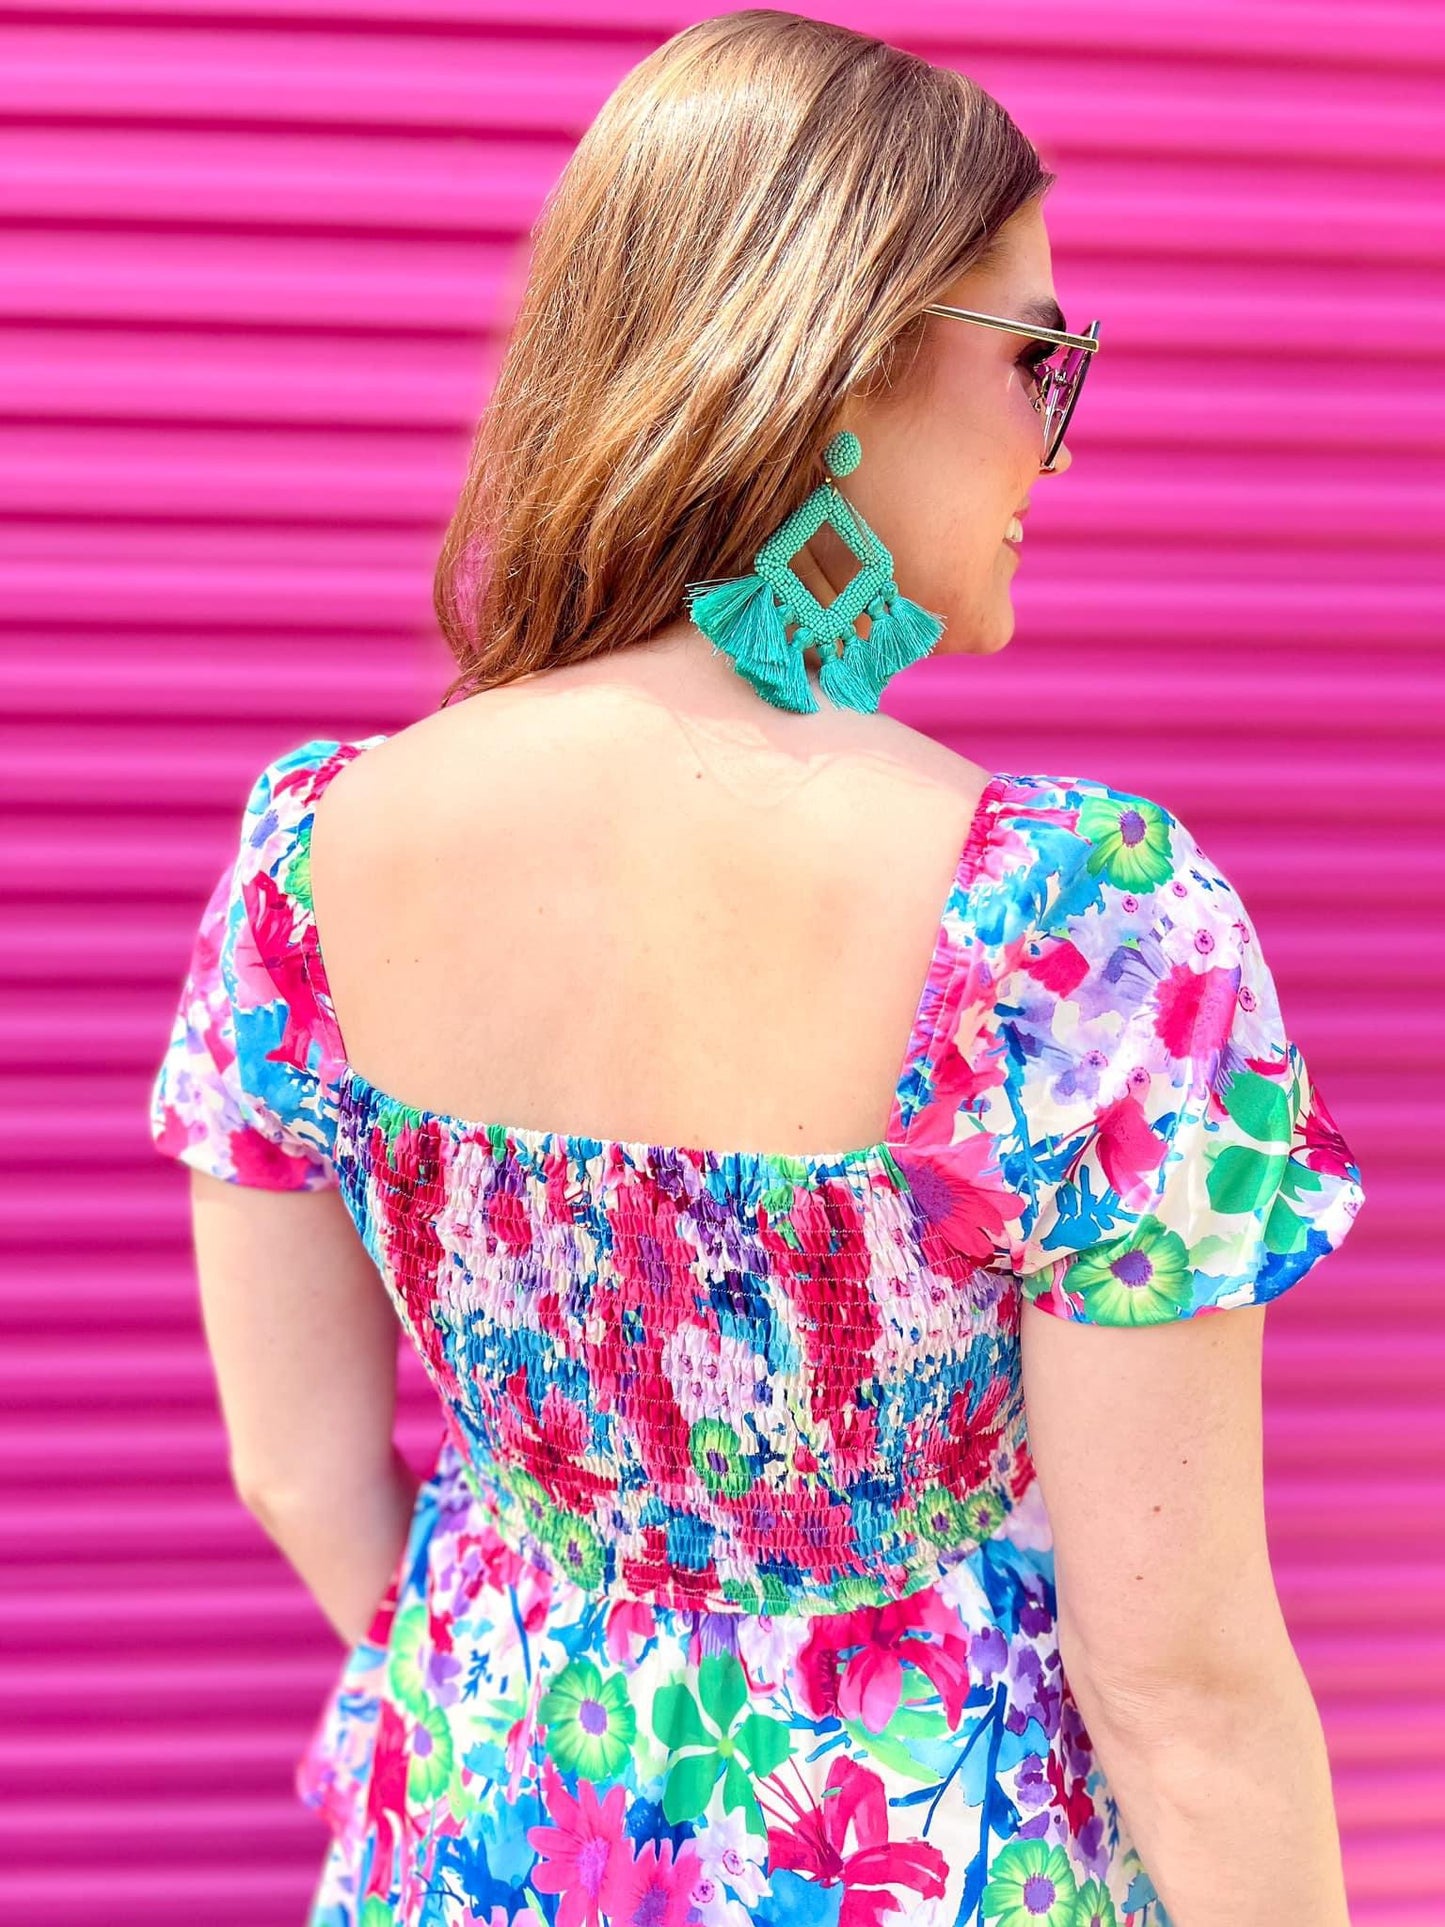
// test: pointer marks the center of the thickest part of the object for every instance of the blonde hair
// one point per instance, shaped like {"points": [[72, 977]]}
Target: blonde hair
{"points": [[746, 233]]}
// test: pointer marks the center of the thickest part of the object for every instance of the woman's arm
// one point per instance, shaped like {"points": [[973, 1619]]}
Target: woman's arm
{"points": [[303, 1340], [1148, 1445]]}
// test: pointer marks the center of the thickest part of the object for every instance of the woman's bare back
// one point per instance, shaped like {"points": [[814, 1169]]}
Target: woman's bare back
{"points": [[627, 900]]}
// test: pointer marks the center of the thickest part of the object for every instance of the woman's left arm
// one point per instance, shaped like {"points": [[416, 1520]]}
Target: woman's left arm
{"points": [[303, 1339]]}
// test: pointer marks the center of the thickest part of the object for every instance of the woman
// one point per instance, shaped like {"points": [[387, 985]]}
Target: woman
{"points": [[821, 1535]]}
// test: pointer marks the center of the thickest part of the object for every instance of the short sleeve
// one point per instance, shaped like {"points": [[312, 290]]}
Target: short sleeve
{"points": [[1172, 1151], [246, 1088]]}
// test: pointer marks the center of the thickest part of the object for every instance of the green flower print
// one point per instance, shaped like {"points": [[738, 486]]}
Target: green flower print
{"points": [[1031, 1885], [431, 1757], [296, 879], [785, 1178], [404, 1668], [939, 1517], [589, 1719], [1143, 1278], [717, 1453], [529, 1503], [983, 1514], [1130, 838], [855, 1589], [576, 1550], [765, 1594], [709, 1742], [576, 1547], [1094, 1908]]}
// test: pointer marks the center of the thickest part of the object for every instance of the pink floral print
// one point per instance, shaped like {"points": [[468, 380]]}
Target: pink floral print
{"points": [[730, 1597]]}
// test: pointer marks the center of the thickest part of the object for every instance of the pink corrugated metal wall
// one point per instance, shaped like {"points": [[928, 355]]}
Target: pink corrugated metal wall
{"points": [[255, 258]]}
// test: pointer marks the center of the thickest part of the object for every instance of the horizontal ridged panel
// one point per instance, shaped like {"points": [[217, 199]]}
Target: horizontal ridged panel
{"points": [[257, 268], [1232, 31], [168, 174]]}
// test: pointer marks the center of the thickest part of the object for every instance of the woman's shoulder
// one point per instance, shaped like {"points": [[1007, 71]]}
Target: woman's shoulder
{"points": [[1058, 854], [270, 875], [1064, 820], [316, 755], [289, 783], [282, 797], [1086, 827]]}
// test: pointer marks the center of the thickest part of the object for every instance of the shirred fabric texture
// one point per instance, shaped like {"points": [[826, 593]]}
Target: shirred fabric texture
{"points": [[731, 1596]]}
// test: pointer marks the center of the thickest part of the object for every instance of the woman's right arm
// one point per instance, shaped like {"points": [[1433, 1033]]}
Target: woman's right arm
{"points": [[1148, 1447], [303, 1340]]}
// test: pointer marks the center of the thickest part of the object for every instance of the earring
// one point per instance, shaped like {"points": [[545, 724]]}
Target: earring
{"points": [[747, 616]]}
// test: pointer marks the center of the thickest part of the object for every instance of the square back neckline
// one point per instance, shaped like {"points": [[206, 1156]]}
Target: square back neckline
{"points": [[583, 1145]]}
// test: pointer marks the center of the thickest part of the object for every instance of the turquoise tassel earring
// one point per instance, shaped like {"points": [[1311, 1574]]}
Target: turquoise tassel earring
{"points": [[747, 616]]}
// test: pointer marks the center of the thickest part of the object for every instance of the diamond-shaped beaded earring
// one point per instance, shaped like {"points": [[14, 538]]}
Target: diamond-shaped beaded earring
{"points": [[747, 616]]}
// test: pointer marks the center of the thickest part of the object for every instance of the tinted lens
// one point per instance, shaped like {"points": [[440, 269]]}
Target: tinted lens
{"points": [[1066, 379]]}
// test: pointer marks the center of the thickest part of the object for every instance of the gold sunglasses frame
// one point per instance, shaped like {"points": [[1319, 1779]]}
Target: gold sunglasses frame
{"points": [[1088, 342]]}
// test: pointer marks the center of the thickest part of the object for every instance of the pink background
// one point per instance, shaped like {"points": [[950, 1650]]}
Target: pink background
{"points": [[256, 263]]}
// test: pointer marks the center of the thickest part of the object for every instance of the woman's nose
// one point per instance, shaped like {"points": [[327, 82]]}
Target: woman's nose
{"points": [[1061, 461]]}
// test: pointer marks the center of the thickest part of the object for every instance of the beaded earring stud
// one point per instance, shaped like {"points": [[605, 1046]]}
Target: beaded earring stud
{"points": [[747, 617]]}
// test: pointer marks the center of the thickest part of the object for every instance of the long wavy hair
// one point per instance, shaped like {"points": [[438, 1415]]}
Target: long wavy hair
{"points": [[746, 234]]}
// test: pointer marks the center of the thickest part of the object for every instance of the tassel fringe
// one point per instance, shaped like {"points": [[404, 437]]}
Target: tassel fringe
{"points": [[845, 680], [902, 634], [742, 618]]}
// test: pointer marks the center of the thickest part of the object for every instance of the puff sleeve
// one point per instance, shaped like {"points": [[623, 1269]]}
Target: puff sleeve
{"points": [[246, 1087], [1172, 1151]]}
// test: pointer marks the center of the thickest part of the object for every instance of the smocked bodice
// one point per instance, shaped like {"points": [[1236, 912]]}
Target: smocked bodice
{"points": [[723, 1380], [731, 1380]]}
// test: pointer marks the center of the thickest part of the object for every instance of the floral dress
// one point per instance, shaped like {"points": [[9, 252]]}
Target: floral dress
{"points": [[730, 1597]]}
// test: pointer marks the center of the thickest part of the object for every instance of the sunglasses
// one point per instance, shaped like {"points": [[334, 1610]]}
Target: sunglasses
{"points": [[1056, 378]]}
